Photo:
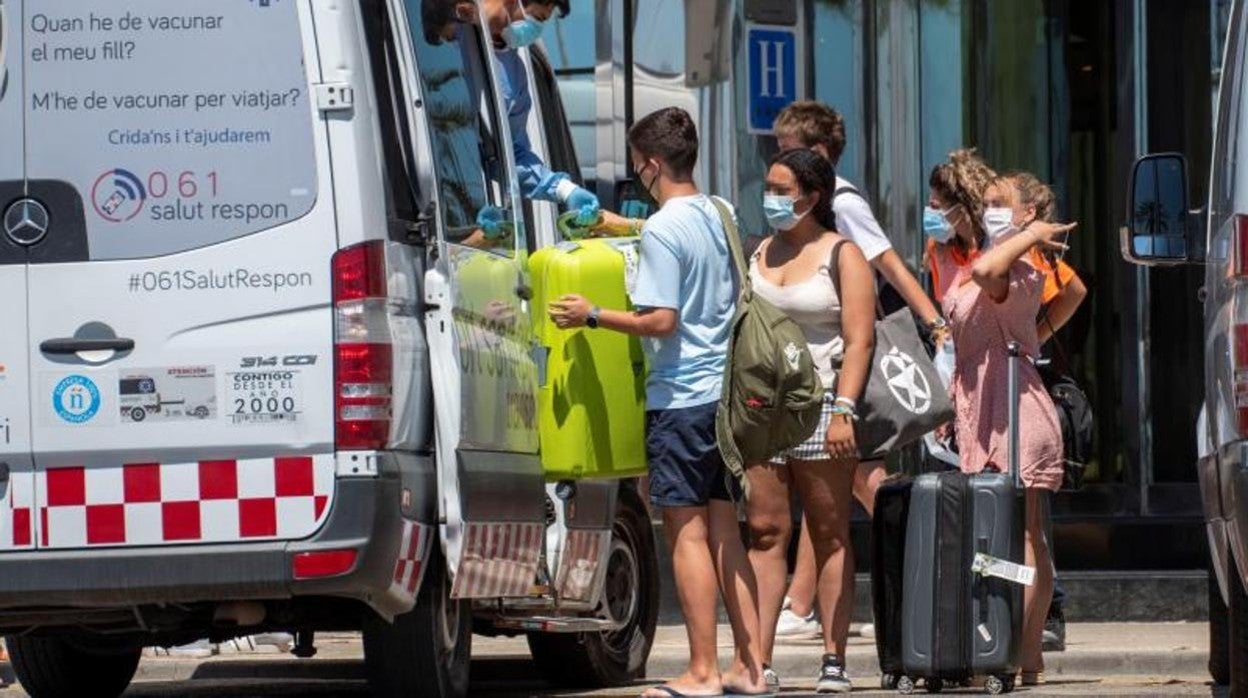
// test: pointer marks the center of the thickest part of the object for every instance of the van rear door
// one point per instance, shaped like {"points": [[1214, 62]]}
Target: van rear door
{"points": [[180, 332], [20, 215]]}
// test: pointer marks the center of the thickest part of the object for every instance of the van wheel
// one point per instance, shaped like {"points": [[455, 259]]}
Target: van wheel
{"points": [[424, 653], [1238, 633], [138, 414], [67, 667], [631, 592], [1219, 633]]}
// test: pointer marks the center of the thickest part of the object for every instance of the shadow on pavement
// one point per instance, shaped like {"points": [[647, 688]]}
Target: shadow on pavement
{"points": [[500, 677]]}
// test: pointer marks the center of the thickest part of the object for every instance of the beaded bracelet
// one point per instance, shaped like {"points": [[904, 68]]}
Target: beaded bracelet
{"points": [[842, 411]]}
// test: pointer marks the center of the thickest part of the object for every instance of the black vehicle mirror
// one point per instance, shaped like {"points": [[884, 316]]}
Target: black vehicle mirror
{"points": [[1160, 230]]}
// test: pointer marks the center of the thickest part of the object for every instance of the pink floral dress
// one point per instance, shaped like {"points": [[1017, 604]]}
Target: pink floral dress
{"points": [[981, 328]]}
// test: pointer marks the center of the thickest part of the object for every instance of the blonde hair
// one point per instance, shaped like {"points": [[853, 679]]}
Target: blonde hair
{"points": [[962, 181], [1033, 192]]}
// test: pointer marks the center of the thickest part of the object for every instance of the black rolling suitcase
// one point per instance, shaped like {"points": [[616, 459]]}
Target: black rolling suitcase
{"points": [[888, 544], [947, 594]]}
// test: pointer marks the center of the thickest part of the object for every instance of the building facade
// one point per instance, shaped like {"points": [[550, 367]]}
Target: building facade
{"points": [[1072, 91]]}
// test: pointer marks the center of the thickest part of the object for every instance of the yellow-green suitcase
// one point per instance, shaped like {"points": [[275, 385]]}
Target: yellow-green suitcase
{"points": [[592, 407]]}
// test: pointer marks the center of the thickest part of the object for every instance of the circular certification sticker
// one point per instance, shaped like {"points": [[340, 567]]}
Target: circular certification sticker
{"points": [[76, 399]]}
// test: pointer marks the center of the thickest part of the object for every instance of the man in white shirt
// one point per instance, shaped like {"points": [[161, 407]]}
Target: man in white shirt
{"points": [[820, 128]]}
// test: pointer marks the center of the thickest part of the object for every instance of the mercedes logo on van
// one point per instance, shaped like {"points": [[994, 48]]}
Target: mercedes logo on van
{"points": [[26, 222]]}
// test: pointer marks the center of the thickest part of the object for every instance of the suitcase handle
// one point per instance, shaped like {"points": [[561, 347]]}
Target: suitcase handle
{"points": [[1015, 350]]}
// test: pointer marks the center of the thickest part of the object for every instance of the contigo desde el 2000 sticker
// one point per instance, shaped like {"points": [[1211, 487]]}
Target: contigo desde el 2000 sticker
{"points": [[265, 396]]}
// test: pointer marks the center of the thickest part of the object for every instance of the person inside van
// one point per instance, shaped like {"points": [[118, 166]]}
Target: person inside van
{"points": [[514, 25], [994, 300], [794, 270], [685, 302], [819, 127]]}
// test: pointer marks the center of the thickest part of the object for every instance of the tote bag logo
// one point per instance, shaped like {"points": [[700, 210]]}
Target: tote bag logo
{"points": [[906, 382]]}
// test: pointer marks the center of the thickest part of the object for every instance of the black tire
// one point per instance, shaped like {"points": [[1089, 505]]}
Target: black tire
{"points": [[66, 667], [605, 659], [138, 414], [426, 652], [1238, 632], [1219, 633]]}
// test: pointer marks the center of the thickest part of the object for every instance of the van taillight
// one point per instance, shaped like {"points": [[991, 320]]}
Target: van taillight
{"points": [[1240, 358], [1239, 243], [363, 366]]}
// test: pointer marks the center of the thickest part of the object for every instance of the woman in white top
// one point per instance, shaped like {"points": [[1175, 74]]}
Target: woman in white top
{"points": [[793, 270]]}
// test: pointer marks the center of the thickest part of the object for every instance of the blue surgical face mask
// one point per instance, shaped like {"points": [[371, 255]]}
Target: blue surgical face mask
{"points": [[522, 33], [936, 225], [780, 212]]}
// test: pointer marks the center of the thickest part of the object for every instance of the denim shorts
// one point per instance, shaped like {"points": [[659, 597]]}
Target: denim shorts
{"points": [[686, 469]]}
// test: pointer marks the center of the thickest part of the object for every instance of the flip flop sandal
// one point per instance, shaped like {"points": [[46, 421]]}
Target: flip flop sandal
{"points": [[673, 693]]}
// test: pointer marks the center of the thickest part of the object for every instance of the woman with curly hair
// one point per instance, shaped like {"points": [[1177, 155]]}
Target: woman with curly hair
{"points": [[993, 300]]}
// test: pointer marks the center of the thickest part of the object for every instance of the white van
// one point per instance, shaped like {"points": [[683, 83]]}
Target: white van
{"points": [[1163, 230], [265, 210]]}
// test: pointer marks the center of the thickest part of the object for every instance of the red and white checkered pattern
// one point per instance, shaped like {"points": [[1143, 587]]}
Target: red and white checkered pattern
{"points": [[413, 551], [578, 565], [176, 503], [498, 560], [17, 525]]}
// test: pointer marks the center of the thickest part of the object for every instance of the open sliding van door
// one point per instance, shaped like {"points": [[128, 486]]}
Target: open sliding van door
{"points": [[478, 319]]}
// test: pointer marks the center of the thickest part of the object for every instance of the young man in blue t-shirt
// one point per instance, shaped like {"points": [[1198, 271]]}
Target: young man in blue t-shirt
{"points": [[686, 298]]}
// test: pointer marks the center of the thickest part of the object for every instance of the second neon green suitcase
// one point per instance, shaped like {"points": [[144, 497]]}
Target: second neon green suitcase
{"points": [[592, 408]]}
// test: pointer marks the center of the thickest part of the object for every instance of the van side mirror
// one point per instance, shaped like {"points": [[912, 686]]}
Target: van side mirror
{"points": [[1161, 229]]}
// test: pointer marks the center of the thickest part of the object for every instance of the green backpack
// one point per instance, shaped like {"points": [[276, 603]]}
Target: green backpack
{"points": [[773, 396]]}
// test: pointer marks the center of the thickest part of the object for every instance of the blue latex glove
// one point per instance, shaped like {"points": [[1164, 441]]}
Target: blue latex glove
{"points": [[490, 220], [586, 205]]}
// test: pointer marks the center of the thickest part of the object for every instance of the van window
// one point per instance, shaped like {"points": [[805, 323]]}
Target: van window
{"points": [[11, 147], [1232, 122], [463, 121], [180, 125]]}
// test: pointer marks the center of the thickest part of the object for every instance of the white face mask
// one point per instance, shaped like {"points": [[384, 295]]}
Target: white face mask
{"points": [[998, 222]]}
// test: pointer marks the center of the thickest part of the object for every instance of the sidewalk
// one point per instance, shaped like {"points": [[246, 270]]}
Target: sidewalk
{"points": [[1092, 650]]}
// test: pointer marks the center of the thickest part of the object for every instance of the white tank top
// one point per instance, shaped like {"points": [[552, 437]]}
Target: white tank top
{"points": [[815, 306]]}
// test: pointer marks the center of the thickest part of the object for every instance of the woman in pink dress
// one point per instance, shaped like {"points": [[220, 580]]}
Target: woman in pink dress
{"points": [[989, 302]]}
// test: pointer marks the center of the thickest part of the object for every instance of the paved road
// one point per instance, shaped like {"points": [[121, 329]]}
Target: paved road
{"points": [[1159, 659], [509, 680]]}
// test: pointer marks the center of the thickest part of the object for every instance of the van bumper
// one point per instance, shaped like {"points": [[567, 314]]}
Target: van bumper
{"points": [[364, 517]]}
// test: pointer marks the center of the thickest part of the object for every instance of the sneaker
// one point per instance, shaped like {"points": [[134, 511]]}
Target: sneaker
{"points": [[867, 631], [789, 624], [1054, 637], [771, 678], [832, 678], [282, 642], [196, 650]]}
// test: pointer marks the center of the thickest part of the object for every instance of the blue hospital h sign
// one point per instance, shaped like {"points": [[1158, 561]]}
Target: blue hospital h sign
{"points": [[773, 73]]}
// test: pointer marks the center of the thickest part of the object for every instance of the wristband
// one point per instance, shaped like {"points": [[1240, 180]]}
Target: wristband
{"points": [[842, 411], [847, 402]]}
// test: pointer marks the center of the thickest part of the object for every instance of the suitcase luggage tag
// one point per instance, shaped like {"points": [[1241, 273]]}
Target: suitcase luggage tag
{"points": [[989, 566]]}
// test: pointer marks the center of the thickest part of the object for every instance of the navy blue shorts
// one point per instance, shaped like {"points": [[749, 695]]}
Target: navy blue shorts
{"points": [[686, 469]]}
